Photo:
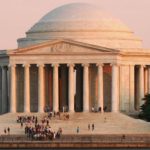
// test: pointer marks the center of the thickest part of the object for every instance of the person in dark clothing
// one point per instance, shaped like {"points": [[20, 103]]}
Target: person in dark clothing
{"points": [[47, 122], [88, 126], [93, 126], [36, 120], [8, 130], [99, 109], [21, 124], [5, 131], [105, 108], [78, 129]]}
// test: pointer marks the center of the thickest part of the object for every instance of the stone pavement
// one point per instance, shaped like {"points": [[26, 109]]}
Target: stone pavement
{"points": [[107, 123]]}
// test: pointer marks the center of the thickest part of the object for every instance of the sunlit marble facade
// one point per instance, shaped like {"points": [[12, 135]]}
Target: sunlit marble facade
{"points": [[75, 57]]}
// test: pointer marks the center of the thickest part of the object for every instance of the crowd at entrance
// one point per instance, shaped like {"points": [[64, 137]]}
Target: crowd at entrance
{"points": [[37, 129], [99, 109]]}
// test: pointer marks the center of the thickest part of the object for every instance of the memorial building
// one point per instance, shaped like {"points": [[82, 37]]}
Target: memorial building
{"points": [[75, 57]]}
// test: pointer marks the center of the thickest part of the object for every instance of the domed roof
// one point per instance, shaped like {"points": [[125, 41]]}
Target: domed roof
{"points": [[79, 16], [81, 22], [75, 12]]}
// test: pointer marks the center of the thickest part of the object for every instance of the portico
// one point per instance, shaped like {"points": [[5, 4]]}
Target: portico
{"points": [[73, 83]]}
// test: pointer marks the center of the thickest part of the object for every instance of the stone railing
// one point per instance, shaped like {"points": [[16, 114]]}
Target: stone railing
{"points": [[103, 138]]}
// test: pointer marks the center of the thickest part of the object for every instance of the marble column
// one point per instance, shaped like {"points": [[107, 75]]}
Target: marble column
{"points": [[4, 89], [41, 99], [100, 87], [115, 88], [85, 87], [131, 86], [13, 104], [141, 85], [149, 79], [71, 87], [26, 88], [146, 80], [55, 88]]}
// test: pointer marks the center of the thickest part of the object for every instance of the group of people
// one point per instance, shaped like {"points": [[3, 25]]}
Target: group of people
{"points": [[90, 127], [27, 119], [39, 130], [99, 109], [58, 115], [42, 132], [7, 131]]}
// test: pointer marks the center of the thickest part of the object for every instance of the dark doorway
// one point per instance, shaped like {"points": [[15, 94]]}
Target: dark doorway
{"points": [[20, 87], [63, 87], [107, 75], [48, 87], [79, 88], [34, 88]]}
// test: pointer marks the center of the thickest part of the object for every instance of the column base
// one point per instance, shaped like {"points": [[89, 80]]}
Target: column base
{"points": [[26, 111], [12, 111], [101, 111], [56, 110], [71, 111], [115, 111], [86, 111], [40, 111]]}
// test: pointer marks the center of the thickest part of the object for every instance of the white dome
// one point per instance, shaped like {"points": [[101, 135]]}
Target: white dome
{"points": [[81, 22], [75, 12], [78, 16]]}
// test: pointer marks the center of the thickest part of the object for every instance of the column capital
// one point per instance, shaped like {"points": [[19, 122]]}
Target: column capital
{"points": [[85, 65], [71, 65], [115, 64], [132, 65], [25, 65], [55, 65], [40, 65], [140, 66], [99, 64], [12, 65], [125, 65]]}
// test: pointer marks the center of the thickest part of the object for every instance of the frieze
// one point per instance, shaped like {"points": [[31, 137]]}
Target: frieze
{"points": [[61, 47]]}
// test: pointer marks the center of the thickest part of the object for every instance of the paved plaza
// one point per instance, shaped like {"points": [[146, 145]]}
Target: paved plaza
{"points": [[107, 123]]}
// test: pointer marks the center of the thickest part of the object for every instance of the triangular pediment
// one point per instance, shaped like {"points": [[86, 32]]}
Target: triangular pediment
{"points": [[63, 47]]}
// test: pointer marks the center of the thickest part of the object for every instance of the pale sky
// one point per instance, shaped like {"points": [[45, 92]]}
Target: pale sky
{"points": [[17, 16]]}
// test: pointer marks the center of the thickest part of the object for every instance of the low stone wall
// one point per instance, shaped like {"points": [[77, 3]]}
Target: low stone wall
{"points": [[72, 145], [78, 141]]}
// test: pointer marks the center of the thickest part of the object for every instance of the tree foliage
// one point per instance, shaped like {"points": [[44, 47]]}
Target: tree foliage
{"points": [[145, 108]]}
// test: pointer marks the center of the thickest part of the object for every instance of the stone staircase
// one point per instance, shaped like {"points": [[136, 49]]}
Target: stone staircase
{"points": [[107, 123]]}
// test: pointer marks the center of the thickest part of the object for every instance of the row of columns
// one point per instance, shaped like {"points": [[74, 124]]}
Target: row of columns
{"points": [[41, 100], [115, 90]]}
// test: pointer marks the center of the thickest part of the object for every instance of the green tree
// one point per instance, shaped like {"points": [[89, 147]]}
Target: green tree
{"points": [[145, 108]]}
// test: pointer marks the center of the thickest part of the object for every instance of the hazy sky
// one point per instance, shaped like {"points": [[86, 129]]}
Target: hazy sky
{"points": [[17, 16]]}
